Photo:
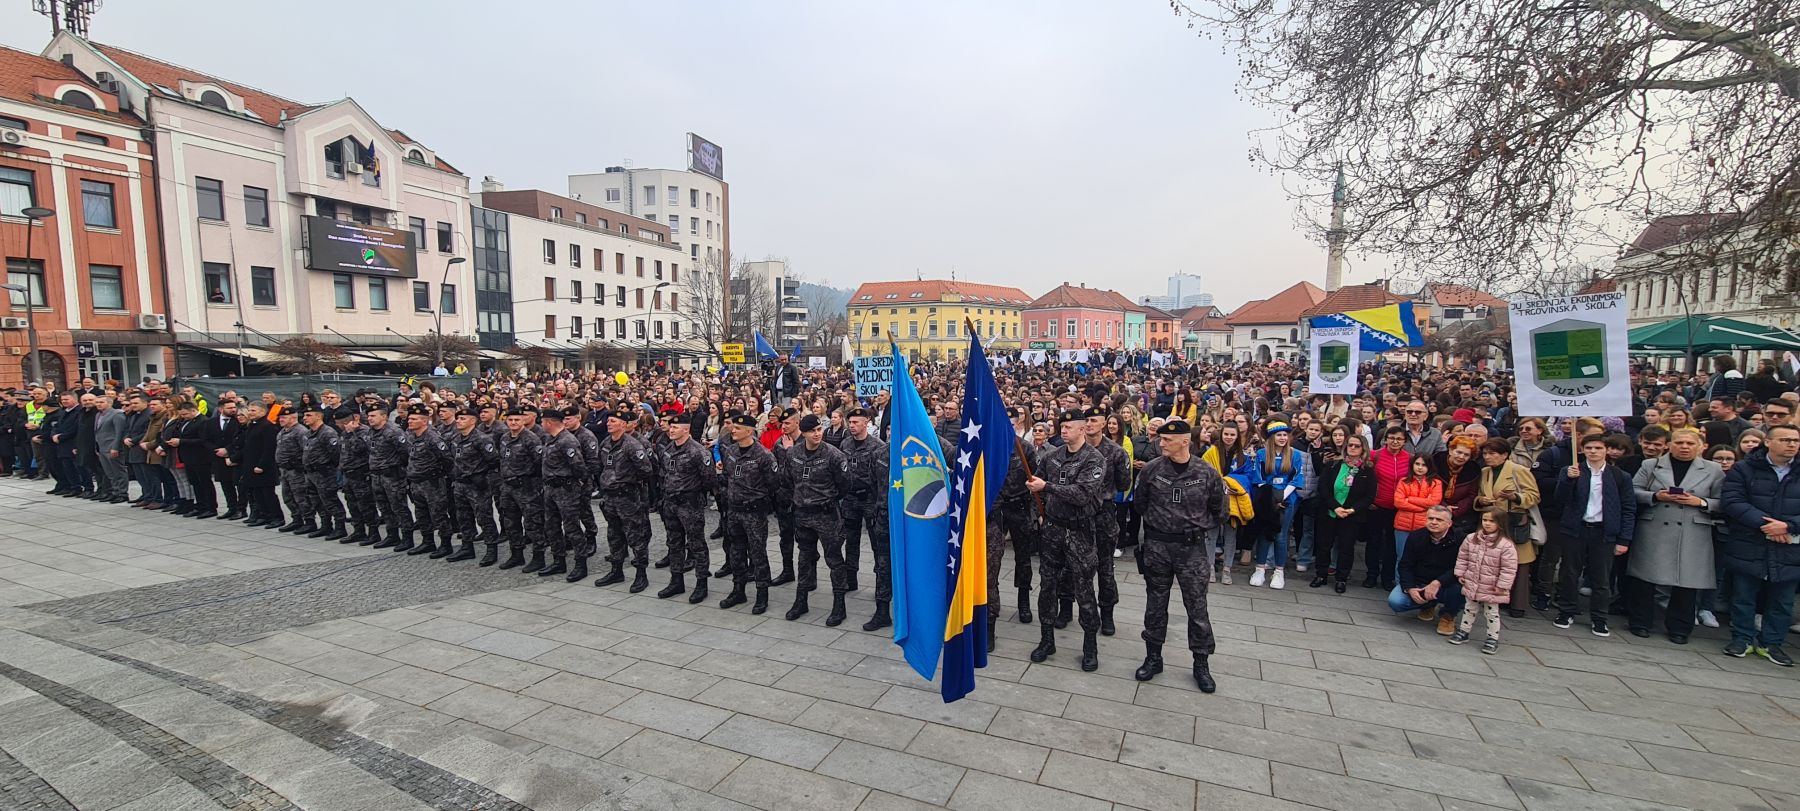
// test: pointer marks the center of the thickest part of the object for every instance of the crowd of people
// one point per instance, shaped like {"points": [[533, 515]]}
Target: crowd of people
{"points": [[1459, 507]]}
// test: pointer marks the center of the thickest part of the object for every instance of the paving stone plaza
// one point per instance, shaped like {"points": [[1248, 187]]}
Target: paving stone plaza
{"points": [[156, 663]]}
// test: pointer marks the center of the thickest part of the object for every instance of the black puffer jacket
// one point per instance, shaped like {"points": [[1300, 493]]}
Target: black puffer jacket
{"points": [[1752, 492]]}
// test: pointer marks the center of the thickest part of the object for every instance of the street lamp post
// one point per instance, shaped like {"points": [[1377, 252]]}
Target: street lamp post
{"points": [[32, 215], [437, 312]]}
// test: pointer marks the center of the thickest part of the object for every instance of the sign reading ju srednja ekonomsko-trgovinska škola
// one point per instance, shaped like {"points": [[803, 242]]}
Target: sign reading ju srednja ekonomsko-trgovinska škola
{"points": [[1570, 356]]}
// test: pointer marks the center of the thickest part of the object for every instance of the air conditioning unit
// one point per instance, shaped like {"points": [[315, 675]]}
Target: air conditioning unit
{"points": [[12, 137], [11, 322], [353, 168], [152, 321]]}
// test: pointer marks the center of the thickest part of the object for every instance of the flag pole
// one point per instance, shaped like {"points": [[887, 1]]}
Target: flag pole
{"points": [[1018, 444]]}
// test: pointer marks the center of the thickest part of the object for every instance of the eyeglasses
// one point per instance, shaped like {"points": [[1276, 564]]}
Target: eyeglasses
{"points": [[1415, 411]]}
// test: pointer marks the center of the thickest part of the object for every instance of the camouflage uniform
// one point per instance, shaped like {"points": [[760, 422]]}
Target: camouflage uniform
{"points": [[427, 466], [473, 458], [1074, 499], [521, 493], [565, 497], [751, 480], [290, 453], [865, 504], [1182, 507], [359, 492], [387, 475], [784, 506], [321, 462], [1015, 521], [1106, 530], [590, 466], [818, 478], [625, 473], [687, 478]]}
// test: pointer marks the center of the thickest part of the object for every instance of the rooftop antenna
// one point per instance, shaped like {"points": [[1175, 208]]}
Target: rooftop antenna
{"points": [[67, 15]]}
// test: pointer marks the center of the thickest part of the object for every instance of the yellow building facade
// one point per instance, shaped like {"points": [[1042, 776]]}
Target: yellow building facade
{"points": [[927, 318]]}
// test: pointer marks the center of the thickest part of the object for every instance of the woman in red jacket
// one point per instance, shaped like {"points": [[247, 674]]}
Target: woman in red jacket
{"points": [[1390, 463]]}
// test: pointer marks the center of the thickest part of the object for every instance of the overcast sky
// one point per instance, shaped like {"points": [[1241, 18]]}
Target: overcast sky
{"points": [[1021, 143]]}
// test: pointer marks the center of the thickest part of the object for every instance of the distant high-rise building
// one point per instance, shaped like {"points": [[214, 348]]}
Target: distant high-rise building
{"points": [[1184, 293]]}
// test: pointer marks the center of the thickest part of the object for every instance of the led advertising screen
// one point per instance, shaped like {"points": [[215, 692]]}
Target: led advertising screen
{"points": [[349, 247], [705, 157]]}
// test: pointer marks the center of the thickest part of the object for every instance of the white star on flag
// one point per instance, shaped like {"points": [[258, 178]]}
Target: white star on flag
{"points": [[963, 459], [972, 430]]}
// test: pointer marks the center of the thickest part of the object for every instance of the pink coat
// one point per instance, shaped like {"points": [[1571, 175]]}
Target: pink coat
{"points": [[1486, 570]]}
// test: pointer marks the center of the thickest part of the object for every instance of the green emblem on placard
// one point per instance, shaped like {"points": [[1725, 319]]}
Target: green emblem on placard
{"points": [[1334, 361], [1570, 357]]}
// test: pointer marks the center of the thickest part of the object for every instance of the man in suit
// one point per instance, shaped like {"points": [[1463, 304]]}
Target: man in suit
{"points": [[87, 463], [224, 428], [137, 420], [62, 435], [109, 450], [196, 456]]}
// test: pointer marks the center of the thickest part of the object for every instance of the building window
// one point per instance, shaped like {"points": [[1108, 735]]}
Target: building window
{"points": [[675, 330], [216, 280], [694, 225], [618, 328], [256, 206], [106, 287], [97, 204], [1294, 335], [575, 291], [649, 195], [415, 156], [709, 229], [417, 224], [580, 218], [694, 251], [211, 196], [619, 296], [674, 198], [549, 289], [549, 327], [612, 195], [362, 215], [17, 191], [262, 286], [90, 138], [1071, 328], [674, 301], [19, 124], [445, 244], [674, 272], [574, 255], [619, 263], [1252, 335], [658, 330], [575, 327], [215, 100], [447, 299], [78, 100], [709, 202], [640, 328], [29, 276], [549, 251], [599, 259], [950, 329], [421, 297], [693, 198], [640, 267], [378, 294], [659, 274], [343, 291], [555, 213], [931, 329], [640, 298]]}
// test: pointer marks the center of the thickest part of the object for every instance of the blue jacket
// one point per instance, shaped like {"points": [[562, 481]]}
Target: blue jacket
{"points": [[1618, 512], [1752, 493], [1278, 481]]}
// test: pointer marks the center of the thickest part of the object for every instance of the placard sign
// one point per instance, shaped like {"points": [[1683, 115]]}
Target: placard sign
{"points": [[815, 362], [1571, 356], [731, 353], [1335, 355], [874, 374]]}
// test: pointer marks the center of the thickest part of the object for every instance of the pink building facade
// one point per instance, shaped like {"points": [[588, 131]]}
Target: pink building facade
{"points": [[1076, 317]]}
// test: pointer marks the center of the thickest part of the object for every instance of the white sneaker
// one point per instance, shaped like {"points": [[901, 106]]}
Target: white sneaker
{"points": [[1276, 580], [1707, 619], [1117, 553], [1256, 578], [1586, 592], [1225, 577], [1300, 567]]}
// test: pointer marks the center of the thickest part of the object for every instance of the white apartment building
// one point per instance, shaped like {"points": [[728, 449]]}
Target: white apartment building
{"points": [[777, 292], [691, 205], [248, 181]]}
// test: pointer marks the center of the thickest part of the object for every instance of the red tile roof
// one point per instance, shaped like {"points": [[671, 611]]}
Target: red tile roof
{"points": [[21, 70], [1456, 295], [1282, 308], [1352, 297], [1093, 298], [1602, 285], [938, 290], [1664, 232]]}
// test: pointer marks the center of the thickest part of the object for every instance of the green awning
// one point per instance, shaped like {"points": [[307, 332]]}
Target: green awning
{"points": [[1710, 333]]}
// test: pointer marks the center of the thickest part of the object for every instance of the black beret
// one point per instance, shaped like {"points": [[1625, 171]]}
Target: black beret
{"points": [[311, 407], [809, 422], [443, 404], [551, 414], [1098, 411], [529, 408], [789, 413], [1072, 415], [466, 412], [1175, 427], [344, 412], [856, 412], [515, 411], [622, 414], [742, 419], [418, 409]]}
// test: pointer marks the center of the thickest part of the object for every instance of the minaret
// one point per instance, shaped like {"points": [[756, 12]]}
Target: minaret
{"points": [[1334, 238]]}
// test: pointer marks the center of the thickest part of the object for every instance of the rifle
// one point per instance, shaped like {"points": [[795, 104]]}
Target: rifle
{"points": [[1025, 460]]}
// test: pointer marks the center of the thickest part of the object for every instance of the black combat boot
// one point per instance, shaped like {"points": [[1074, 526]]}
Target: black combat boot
{"points": [[558, 565], [426, 544], [322, 530], [1152, 662], [492, 556], [446, 545], [307, 529], [616, 574], [1025, 606], [1064, 612], [698, 595], [464, 552], [1090, 651], [358, 536], [1203, 675], [371, 535], [762, 600], [993, 620], [1046, 644], [405, 541], [537, 562], [799, 607], [787, 569], [677, 585], [391, 540], [294, 525], [836, 617], [724, 571], [1106, 623], [641, 581], [578, 572], [735, 598], [663, 562], [517, 559], [338, 531], [881, 618]]}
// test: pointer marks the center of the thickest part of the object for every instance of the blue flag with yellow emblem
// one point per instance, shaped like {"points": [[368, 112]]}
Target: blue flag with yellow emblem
{"points": [[983, 451], [918, 531]]}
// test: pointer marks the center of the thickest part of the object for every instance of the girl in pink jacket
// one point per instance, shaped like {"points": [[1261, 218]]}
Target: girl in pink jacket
{"points": [[1485, 566]]}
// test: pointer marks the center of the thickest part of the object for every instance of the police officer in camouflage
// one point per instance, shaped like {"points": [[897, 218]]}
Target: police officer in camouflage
{"points": [[427, 466], [590, 462], [1022, 516], [521, 493], [751, 482], [387, 476], [290, 458], [1075, 484], [321, 462], [687, 479], [865, 505], [1118, 471], [818, 473], [473, 455], [625, 473], [359, 493], [1182, 500], [566, 485], [784, 508]]}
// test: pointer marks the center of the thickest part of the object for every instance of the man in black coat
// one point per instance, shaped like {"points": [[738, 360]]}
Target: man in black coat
{"points": [[257, 473], [224, 427], [61, 435], [193, 447], [1761, 502]]}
